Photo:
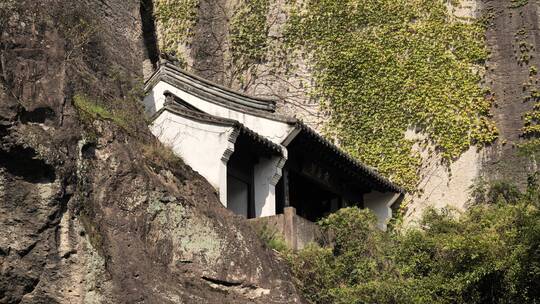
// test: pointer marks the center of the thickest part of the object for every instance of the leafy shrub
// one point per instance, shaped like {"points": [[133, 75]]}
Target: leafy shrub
{"points": [[125, 113], [272, 239], [488, 254]]}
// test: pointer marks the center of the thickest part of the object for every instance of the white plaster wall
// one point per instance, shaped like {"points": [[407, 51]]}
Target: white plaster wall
{"points": [[265, 190], [200, 145], [380, 204], [275, 131]]}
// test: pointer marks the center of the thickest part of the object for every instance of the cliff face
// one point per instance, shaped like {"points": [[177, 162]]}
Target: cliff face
{"points": [[514, 41], [94, 210], [510, 74]]}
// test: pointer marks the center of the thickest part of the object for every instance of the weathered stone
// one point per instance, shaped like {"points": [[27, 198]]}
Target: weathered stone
{"points": [[86, 216]]}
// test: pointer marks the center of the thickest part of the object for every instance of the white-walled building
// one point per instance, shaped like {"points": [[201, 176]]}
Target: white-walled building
{"points": [[259, 162]]}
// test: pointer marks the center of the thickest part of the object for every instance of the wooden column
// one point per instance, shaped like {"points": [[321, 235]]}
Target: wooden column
{"points": [[286, 200]]}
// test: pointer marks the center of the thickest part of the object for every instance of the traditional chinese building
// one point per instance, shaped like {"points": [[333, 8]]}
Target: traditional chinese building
{"points": [[261, 163]]}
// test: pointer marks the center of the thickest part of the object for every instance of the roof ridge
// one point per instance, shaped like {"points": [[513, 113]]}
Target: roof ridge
{"points": [[169, 64], [219, 95]]}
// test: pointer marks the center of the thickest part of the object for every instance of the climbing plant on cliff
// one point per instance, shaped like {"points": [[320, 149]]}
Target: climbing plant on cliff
{"points": [[385, 66], [530, 132], [248, 37], [249, 32], [175, 20]]}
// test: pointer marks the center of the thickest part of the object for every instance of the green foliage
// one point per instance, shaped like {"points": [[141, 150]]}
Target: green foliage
{"points": [[175, 21], [498, 192], [272, 239], [518, 3], [314, 269], [125, 109], [332, 275], [533, 70], [488, 254], [249, 32], [384, 66], [529, 146], [89, 110], [524, 48]]}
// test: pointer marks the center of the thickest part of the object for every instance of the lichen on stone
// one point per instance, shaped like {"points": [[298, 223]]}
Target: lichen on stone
{"points": [[192, 237]]}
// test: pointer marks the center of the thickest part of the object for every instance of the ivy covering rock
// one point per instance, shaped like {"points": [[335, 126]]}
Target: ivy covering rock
{"points": [[175, 19], [382, 67], [249, 32]]}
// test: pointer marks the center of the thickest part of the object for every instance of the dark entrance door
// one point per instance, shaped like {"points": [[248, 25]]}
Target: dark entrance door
{"points": [[311, 200], [238, 196], [240, 192]]}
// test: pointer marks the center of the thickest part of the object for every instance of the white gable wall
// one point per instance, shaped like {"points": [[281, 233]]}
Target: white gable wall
{"points": [[200, 145], [380, 204], [275, 131], [265, 186]]}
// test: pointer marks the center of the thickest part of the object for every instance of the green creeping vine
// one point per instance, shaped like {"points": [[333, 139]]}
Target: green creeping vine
{"points": [[385, 66], [249, 33], [518, 3], [175, 20], [524, 48], [530, 145]]}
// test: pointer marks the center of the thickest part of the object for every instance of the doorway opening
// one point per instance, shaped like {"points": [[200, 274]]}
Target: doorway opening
{"points": [[240, 179]]}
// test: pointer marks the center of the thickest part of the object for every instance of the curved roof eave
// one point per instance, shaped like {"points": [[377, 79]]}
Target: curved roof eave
{"points": [[269, 146], [217, 94]]}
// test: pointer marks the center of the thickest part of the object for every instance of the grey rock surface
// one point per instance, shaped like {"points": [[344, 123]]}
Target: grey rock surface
{"points": [[86, 215]]}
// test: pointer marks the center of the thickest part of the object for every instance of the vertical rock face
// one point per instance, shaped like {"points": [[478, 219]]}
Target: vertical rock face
{"points": [[92, 211], [514, 41], [209, 46]]}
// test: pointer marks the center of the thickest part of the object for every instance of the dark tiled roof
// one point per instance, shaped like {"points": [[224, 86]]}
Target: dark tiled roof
{"points": [[356, 166]]}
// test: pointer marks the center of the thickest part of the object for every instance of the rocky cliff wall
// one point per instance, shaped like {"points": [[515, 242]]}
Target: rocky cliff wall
{"points": [[92, 208], [514, 41]]}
